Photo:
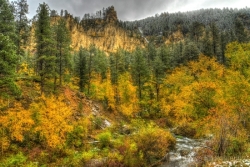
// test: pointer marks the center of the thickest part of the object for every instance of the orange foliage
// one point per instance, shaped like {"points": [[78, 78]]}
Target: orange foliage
{"points": [[14, 124], [53, 120], [224, 124], [127, 96]]}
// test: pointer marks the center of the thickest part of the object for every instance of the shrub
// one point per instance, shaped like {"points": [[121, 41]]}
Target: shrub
{"points": [[14, 160], [153, 144], [105, 139]]}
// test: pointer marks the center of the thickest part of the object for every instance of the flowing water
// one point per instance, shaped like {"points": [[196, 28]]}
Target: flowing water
{"points": [[184, 153], [143, 35]]}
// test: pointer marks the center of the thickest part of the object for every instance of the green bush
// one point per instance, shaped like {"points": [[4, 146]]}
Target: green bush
{"points": [[236, 146], [105, 139], [14, 160], [75, 138]]}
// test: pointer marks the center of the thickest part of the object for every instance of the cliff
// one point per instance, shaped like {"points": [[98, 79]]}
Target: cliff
{"points": [[102, 30]]}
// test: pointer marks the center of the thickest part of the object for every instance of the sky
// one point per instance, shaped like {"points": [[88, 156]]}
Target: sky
{"points": [[128, 10]]}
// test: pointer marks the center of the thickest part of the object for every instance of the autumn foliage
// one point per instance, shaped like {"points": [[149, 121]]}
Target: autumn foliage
{"points": [[103, 92]]}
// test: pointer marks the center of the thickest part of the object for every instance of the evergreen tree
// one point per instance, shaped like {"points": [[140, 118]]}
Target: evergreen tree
{"points": [[232, 36], [151, 52], [100, 63], [8, 57], [117, 66], [81, 68], [196, 31], [7, 24], [165, 54], [224, 40], [8, 62], [114, 72], [45, 46], [240, 32], [63, 50], [216, 48], [178, 54], [90, 66], [22, 28], [207, 48], [140, 70], [190, 52], [158, 74]]}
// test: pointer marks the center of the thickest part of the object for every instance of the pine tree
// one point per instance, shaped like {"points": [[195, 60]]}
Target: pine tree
{"points": [[8, 62], [63, 50], [140, 70], [178, 53], [81, 68], [100, 63], [117, 66], [90, 66], [158, 74], [165, 55], [207, 45], [113, 61], [196, 31], [216, 48], [45, 46], [190, 52], [22, 28], [224, 40], [151, 52], [240, 32], [7, 24], [8, 57]]}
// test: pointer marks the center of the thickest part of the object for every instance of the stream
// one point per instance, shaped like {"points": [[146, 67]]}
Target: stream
{"points": [[143, 35], [184, 153]]}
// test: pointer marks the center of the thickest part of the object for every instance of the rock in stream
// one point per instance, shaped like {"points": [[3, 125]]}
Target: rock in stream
{"points": [[183, 155]]}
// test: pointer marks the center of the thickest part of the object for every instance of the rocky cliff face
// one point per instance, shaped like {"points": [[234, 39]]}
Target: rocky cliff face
{"points": [[108, 38], [104, 32]]}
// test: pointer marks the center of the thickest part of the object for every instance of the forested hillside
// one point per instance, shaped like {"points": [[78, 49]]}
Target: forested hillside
{"points": [[98, 91], [226, 20]]}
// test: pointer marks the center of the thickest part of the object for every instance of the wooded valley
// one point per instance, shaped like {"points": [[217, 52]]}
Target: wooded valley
{"points": [[99, 91]]}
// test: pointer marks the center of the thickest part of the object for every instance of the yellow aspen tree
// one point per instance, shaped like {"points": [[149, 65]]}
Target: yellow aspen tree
{"points": [[178, 94], [14, 124], [128, 97], [109, 94], [97, 89], [238, 57], [190, 90], [104, 90], [229, 136], [53, 120]]}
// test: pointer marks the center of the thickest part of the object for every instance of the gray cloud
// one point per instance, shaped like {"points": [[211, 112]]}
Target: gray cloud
{"points": [[134, 9]]}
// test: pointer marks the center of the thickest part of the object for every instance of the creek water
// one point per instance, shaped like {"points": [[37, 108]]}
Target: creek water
{"points": [[184, 153], [143, 35]]}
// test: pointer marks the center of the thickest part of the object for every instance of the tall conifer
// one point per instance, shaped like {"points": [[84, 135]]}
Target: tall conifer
{"points": [[45, 46], [8, 57], [63, 50], [140, 70], [21, 9]]}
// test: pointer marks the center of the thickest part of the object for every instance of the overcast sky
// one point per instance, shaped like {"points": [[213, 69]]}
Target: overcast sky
{"points": [[134, 9]]}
